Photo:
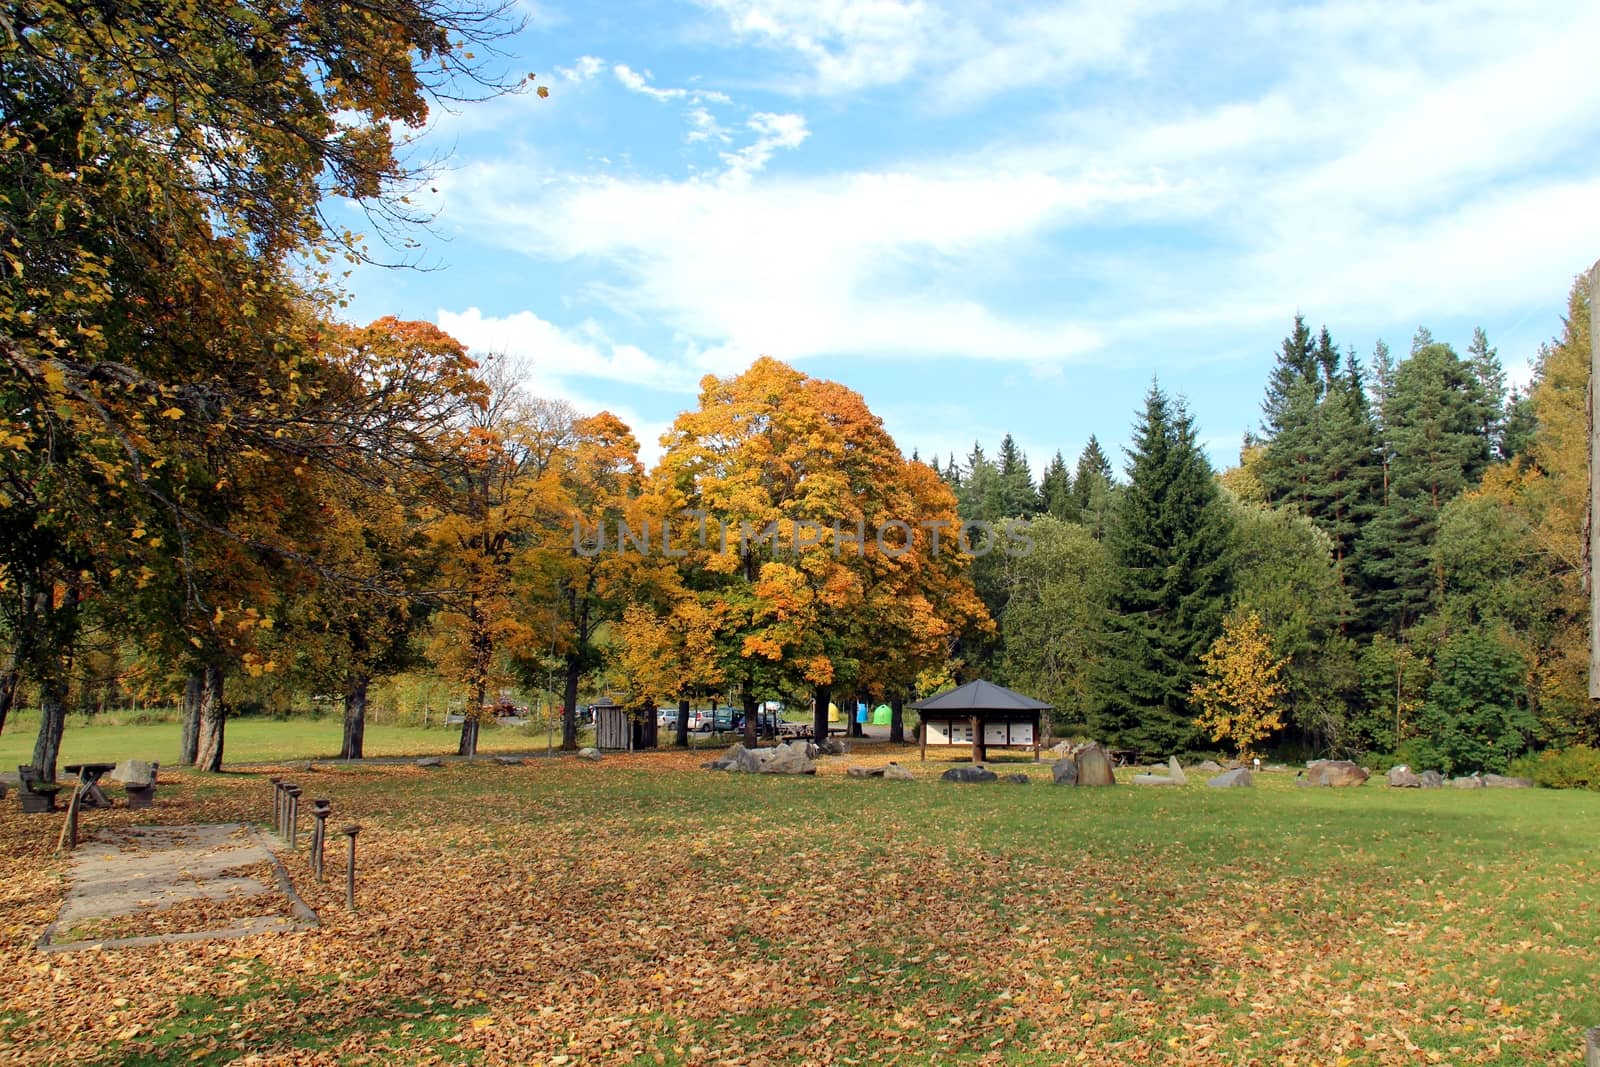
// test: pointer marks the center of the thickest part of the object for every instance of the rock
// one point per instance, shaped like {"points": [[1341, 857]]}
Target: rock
{"points": [[430, 761], [969, 774], [1061, 748], [897, 773], [1094, 766], [1175, 771], [833, 746], [1500, 781], [134, 773], [1471, 781], [1401, 777], [1431, 780], [1334, 773], [1238, 777], [785, 759], [509, 761], [1065, 771], [590, 754], [865, 772], [1019, 779], [1153, 779], [1208, 766]]}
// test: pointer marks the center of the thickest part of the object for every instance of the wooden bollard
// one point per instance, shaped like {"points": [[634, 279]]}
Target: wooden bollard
{"points": [[320, 809], [1591, 1047], [350, 866], [292, 820]]}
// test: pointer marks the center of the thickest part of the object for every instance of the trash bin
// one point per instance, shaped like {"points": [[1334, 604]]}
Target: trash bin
{"points": [[882, 715]]}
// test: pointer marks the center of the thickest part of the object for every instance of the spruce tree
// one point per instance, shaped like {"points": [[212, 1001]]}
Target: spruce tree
{"points": [[1434, 421], [1055, 491], [1491, 377], [978, 494], [1015, 494], [1092, 489], [1169, 545]]}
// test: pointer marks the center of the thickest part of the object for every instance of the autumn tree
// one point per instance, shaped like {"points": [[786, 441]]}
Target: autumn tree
{"points": [[1240, 685], [147, 264]]}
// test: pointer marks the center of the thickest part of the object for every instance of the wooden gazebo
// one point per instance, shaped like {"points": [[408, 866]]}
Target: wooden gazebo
{"points": [[981, 714]]}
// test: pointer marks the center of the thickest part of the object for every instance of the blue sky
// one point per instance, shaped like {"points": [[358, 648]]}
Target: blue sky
{"points": [[1007, 217]]}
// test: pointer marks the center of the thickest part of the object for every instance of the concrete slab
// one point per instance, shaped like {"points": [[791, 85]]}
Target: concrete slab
{"points": [[131, 877]]}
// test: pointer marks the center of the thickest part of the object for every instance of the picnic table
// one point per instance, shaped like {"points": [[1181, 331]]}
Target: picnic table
{"points": [[89, 775]]}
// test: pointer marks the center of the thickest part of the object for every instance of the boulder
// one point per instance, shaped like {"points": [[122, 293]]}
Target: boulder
{"points": [[865, 772], [1471, 781], [590, 754], [969, 774], [1431, 780], [1401, 777], [833, 746], [1061, 748], [135, 774], [430, 761], [1175, 771], [1500, 781], [786, 759], [1236, 778], [1334, 773], [1065, 771], [1153, 779], [1094, 766], [509, 761], [1208, 766], [898, 773], [1019, 779]]}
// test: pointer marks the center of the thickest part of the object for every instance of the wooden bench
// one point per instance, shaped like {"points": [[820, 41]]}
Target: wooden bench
{"points": [[37, 795]]}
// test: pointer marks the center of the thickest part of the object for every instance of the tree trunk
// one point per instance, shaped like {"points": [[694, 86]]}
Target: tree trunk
{"points": [[897, 720], [569, 705], [853, 718], [192, 687], [355, 714], [681, 732], [749, 719], [8, 694], [52, 721], [819, 713], [469, 725], [650, 725], [213, 716]]}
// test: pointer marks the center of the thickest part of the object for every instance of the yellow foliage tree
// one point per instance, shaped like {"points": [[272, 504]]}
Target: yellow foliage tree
{"points": [[1240, 684]]}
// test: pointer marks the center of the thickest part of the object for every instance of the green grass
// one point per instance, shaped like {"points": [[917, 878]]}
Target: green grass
{"points": [[251, 740], [643, 911]]}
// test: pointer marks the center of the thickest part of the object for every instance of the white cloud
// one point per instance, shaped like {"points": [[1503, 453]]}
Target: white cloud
{"points": [[556, 354], [640, 83], [772, 133], [966, 51], [583, 69]]}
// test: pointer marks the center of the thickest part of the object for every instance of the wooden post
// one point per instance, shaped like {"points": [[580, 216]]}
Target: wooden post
{"points": [[979, 753], [1038, 723], [922, 729], [1593, 540], [1591, 1040]]}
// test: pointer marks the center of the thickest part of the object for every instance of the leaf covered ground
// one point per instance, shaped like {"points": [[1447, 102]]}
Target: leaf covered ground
{"points": [[641, 910]]}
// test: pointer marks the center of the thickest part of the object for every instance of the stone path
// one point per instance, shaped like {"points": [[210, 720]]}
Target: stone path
{"points": [[141, 876]]}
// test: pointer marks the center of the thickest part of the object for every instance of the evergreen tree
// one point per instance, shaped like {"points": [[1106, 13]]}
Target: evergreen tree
{"points": [[978, 492], [1491, 377], [1055, 491], [1169, 544], [1382, 383], [1296, 366], [1015, 494], [1322, 457], [1435, 430], [1092, 490], [1520, 426]]}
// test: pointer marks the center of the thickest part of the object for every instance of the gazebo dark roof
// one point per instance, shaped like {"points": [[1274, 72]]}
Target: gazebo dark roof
{"points": [[981, 696]]}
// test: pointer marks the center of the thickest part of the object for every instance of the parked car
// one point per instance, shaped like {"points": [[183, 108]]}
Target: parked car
{"points": [[707, 721]]}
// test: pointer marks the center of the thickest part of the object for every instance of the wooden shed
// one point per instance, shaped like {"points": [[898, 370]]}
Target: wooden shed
{"points": [[982, 715], [617, 729]]}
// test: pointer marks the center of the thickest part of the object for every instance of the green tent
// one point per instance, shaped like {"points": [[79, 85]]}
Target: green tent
{"points": [[881, 715]]}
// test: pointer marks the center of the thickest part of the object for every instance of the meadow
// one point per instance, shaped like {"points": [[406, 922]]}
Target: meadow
{"points": [[640, 910]]}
